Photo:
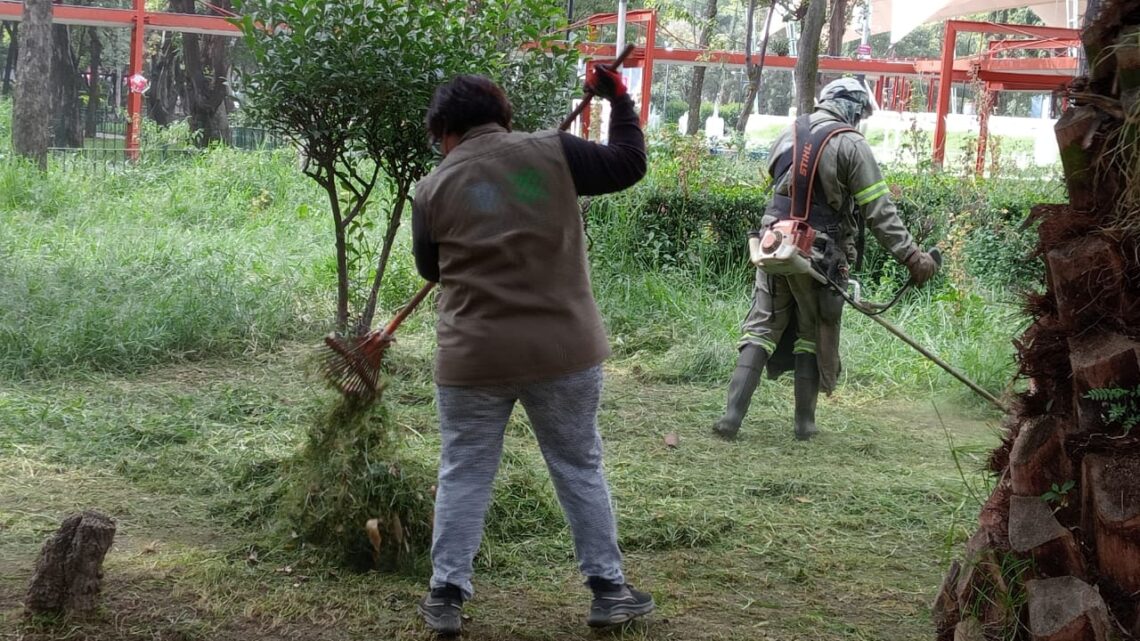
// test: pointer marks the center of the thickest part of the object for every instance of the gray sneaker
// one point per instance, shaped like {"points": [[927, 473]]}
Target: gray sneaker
{"points": [[442, 610], [615, 604]]}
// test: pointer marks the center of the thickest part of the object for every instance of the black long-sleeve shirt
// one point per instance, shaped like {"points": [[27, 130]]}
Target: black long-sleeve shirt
{"points": [[595, 168]]}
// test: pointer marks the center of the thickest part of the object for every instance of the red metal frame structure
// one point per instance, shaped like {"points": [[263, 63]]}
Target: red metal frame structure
{"points": [[995, 73], [138, 20]]}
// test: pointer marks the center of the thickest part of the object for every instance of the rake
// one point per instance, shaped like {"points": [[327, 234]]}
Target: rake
{"points": [[353, 366]]}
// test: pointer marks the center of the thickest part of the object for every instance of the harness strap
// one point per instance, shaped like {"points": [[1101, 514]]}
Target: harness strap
{"points": [[807, 146]]}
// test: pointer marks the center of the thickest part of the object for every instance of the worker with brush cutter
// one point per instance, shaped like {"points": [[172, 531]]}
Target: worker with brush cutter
{"points": [[498, 226], [827, 188]]}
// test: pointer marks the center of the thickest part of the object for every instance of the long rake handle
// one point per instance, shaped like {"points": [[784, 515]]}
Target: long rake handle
{"points": [[589, 95], [409, 308]]}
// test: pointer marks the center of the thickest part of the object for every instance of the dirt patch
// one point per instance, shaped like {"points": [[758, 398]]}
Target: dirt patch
{"points": [[138, 607]]}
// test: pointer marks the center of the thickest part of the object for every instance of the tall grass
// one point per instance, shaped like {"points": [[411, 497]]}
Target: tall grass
{"points": [[230, 252], [213, 255], [672, 328]]}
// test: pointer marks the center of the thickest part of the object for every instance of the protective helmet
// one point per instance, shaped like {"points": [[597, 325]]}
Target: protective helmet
{"points": [[850, 89]]}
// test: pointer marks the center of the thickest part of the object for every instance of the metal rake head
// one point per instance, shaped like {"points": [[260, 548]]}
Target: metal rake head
{"points": [[353, 366]]}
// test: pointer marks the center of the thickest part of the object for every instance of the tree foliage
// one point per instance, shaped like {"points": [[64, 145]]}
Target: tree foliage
{"points": [[350, 82]]}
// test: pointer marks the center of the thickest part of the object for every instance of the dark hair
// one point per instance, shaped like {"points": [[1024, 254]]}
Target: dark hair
{"points": [[465, 102]]}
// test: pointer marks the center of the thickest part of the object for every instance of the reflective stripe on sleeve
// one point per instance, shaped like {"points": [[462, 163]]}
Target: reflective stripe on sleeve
{"points": [[875, 191]]}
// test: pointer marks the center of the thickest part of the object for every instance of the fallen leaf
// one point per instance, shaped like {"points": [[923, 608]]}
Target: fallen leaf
{"points": [[803, 499], [672, 440], [373, 529]]}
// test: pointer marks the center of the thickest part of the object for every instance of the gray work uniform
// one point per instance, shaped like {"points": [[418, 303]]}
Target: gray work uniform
{"points": [[853, 186]]}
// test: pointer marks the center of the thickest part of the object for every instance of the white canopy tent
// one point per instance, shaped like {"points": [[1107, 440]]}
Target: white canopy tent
{"points": [[903, 16]]}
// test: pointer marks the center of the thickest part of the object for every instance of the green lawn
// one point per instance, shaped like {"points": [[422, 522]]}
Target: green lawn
{"points": [[844, 537], [156, 331]]}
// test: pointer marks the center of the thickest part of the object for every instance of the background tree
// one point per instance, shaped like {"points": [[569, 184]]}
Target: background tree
{"points": [[207, 68], [807, 63], [12, 52], [586, 8], [31, 113], [94, 82], [837, 27], [754, 66], [697, 85], [351, 82], [67, 124], [167, 81]]}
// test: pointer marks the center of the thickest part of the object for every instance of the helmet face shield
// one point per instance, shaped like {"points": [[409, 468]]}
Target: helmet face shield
{"points": [[853, 90]]}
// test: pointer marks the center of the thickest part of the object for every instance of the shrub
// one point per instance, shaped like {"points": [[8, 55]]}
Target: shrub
{"points": [[693, 213], [674, 109], [706, 227]]}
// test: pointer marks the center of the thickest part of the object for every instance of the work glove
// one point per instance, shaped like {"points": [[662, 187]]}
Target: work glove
{"points": [[604, 82], [921, 266]]}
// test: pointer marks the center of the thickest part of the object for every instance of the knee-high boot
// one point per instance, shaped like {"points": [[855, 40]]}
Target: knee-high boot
{"points": [[745, 378], [807, 393]]}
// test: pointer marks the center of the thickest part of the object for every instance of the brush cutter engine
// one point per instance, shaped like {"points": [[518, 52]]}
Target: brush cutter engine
{"points": [[785, 248]]}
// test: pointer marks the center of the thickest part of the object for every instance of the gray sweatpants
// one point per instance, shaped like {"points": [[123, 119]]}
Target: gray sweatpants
{"points": [[564, 415]]}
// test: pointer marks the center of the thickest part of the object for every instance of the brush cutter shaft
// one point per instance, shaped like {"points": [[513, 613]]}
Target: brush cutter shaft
{"points": [[872, 311], [589, 95], [937, 361]]}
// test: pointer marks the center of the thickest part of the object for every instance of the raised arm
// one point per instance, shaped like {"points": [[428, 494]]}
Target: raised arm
{"points": [[602, 169]]}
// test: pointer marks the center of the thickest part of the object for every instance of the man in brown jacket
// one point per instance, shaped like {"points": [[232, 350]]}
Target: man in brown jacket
{"points": [[497, 224]]}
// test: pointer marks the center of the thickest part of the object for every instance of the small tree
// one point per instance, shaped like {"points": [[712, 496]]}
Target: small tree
{"points": [[350, 82]]}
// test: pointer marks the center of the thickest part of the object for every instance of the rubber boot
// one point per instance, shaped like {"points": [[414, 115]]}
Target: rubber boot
{"points": [[807, 393], [745, 378]]}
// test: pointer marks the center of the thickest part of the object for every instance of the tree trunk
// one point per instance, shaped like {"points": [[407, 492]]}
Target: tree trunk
{"points": [[94, 82], [31, 113], [1066, 609], [165, 83], [837, 28], [211, 127], [67, 121], [13, 29], [697, 88], [402, 190], [207, 67], [807, 64], [69, 570], [326, 176], [1072, 454], [755, 71]]}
